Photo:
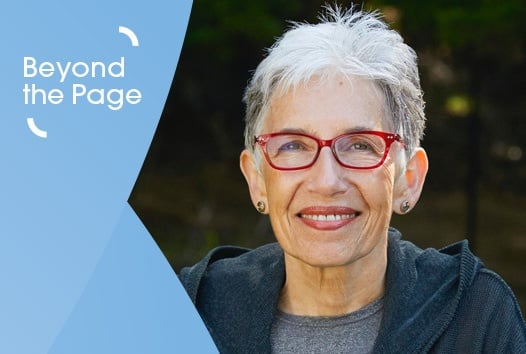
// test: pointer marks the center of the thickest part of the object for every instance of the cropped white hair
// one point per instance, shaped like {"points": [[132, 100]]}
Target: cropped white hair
{"points": [[347, 42]]}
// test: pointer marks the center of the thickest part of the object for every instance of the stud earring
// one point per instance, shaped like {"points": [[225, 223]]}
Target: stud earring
{"points": [[260, 206], [405, 206]]}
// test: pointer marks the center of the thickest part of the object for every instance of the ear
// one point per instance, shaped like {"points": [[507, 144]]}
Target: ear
{"points": [[409, 184], [255, 181]]}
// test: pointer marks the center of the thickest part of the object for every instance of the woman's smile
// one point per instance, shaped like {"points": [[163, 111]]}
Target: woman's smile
{"points": [[327, 217]]}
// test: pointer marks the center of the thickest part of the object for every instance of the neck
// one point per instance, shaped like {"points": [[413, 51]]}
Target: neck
{"points": [[331, 291]]}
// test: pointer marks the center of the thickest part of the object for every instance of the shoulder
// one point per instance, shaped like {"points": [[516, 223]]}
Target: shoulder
{"points": [[455, 265], [491, 300], [231, 287], [448, 297], [488, 318], [229, 264]]}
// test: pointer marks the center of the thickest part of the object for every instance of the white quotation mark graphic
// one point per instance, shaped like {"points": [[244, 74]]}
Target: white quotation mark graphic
{"points": [[31, 121], [131, 35], [36, 130]]}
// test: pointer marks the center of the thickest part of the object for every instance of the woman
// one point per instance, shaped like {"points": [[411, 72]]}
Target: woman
{"points": [[334, 120]]}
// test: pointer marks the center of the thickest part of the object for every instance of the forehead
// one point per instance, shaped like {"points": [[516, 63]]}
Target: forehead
{"points": [[328, 108]]}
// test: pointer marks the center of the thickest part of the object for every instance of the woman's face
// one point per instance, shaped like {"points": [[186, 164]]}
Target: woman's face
{"points": [[329, 215]]}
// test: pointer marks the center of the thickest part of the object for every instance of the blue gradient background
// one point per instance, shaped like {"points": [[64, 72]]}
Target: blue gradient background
{"points": [[79, 273]]}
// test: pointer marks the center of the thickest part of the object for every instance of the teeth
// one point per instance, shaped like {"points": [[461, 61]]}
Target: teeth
{"points": [[330, 217]]}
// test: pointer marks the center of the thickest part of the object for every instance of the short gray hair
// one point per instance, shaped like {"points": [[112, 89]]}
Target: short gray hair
{"points": [[348, 42]]}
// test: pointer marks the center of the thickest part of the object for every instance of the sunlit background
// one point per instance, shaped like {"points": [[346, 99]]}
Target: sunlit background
{"points": [[191, 195]]}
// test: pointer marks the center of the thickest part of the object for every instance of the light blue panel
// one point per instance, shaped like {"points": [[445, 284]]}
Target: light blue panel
{"points": [[127, 307], [64, 195]]}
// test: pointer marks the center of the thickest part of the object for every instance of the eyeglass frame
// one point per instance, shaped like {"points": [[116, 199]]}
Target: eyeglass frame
{"points": [[389, 139]]}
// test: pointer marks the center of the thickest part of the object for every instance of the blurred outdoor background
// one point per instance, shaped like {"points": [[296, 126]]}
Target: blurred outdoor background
{"points": [[191, 195]]}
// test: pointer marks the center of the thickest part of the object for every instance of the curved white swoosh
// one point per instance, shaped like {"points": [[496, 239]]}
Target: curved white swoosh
{"points": [[131, 35], [36, 130]]}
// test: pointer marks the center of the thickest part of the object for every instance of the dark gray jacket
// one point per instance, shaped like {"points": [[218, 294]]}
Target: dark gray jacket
{"points": [[435, 301]]}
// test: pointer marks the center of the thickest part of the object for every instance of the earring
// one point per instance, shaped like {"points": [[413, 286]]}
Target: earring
{"points": [[260, 206], [405, 206]]}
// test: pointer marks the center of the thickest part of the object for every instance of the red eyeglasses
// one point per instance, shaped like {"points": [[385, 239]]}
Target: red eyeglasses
{"points": [[358, 150]]}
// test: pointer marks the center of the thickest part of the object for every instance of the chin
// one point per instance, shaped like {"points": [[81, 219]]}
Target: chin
{"points": [[322, 257]]}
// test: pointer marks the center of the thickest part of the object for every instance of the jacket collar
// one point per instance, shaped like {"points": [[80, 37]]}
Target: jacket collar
{"points": [[237, 291], [423, 290]]}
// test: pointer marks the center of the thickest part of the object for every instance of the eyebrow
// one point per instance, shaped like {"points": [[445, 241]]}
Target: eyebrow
{"points": [[346, 131], [360, 129]]}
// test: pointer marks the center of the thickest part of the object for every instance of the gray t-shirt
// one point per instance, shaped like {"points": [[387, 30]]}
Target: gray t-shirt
{"points": [[355, 332]]}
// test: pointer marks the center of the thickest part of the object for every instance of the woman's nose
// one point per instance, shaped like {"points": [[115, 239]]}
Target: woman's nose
{"points": [[327, 175]]}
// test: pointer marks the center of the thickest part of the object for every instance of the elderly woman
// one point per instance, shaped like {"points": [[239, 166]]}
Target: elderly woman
{"points": [[334, 120]]}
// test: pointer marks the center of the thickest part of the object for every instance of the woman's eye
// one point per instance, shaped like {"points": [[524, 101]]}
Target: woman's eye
{"points": [[360, 146], [291, 146], [355, 146]]}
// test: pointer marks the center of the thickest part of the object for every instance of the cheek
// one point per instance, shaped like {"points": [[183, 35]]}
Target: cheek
{"points": [[280, 188], [379, 188]]}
